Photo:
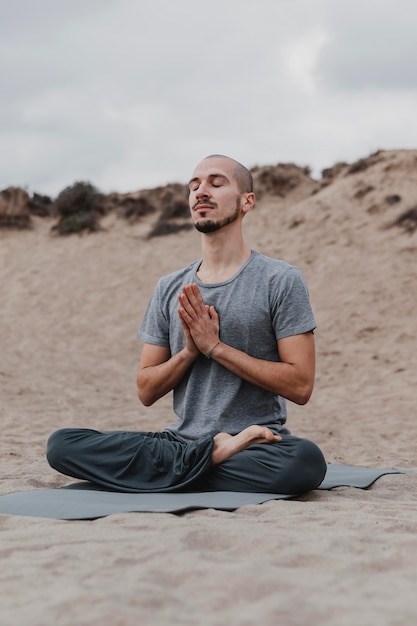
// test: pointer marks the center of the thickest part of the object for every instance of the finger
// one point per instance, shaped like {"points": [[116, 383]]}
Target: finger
{"points": [[194, 297], [184, 317], [186, 304], [197, 293], [213, 313]]}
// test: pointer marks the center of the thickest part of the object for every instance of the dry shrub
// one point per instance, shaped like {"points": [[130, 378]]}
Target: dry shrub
{"points": [[162, 228], [161, 197], [134, 208], [329, 173], [78, 207], [362, 164], [279, 179], [174, 213], [393, 199], [39, 205], [170, 201], [14, 209], [174, 210], [361, 193], [358, 166], [407, 220]]}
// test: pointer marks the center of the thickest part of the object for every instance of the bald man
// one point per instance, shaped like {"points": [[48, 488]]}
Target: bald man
{"points": [[232, 336]]}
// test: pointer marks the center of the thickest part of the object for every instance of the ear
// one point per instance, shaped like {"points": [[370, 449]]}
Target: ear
{"points": [[247, 202]]}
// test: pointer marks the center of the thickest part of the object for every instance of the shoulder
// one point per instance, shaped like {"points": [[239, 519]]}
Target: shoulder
{"points": [[271, 266], [279, 278]]}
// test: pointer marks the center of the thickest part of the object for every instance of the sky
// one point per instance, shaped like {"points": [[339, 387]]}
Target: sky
{"points": [[132, 94]]}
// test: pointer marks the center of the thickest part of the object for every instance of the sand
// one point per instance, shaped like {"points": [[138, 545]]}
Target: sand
{"points": [[70, 308]]}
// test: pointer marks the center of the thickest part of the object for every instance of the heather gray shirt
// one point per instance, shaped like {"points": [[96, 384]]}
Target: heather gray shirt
{"points": [[265, 301]]}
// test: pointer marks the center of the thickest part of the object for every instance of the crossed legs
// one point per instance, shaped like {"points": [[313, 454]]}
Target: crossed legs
{"points": [[253, 460]]}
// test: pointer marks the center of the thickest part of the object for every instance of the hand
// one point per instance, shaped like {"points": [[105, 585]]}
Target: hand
{"points": [[190, 346], [199, 320]]}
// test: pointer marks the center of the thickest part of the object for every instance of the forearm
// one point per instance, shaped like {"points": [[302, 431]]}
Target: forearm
{"points": [[155, 381], [281, 378]]}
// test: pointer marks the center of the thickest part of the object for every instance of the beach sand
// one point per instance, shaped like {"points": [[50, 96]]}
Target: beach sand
{"points": [[70, 308]]}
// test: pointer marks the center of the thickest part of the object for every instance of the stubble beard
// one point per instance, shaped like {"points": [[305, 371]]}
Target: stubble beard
{"points": [[211, 226]]}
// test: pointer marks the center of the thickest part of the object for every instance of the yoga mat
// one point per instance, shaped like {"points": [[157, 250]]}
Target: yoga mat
{"points": [[83, 500]]}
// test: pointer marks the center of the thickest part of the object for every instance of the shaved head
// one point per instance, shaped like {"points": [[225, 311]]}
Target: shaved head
{"points": [[241, 173]]}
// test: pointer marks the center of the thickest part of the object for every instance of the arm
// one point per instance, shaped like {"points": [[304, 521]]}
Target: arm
{"points": [[159, 372], [292, 377]]}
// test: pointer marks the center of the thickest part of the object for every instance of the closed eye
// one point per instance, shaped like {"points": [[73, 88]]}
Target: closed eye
{"points": [[218, 180]]}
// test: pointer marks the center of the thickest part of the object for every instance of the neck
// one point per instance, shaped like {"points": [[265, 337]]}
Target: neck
{"points": [[222, 256]]}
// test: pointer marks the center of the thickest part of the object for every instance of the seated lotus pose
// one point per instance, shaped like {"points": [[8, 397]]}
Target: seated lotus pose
{"points": [[232, 336]]}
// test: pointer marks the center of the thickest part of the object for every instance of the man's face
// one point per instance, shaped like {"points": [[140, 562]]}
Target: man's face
{"points": [[214, 197]]}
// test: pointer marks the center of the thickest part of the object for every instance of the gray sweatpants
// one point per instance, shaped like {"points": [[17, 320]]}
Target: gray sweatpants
{"points": [[160, 462]]}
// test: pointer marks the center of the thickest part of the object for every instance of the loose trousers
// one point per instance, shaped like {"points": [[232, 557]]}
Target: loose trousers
{"points": [[160, 462]]}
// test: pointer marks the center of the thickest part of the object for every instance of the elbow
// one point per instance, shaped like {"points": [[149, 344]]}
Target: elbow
{"points": [[145, 400], [301, 399], [145, 397], [303, 395]]}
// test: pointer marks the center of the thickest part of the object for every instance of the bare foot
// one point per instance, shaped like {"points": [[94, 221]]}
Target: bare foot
{"points": [[226, 445]]}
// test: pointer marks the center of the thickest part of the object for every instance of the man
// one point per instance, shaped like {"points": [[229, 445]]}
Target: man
{"points": [[232, 336]]}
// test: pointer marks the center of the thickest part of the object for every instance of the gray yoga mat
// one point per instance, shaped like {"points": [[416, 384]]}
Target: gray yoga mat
{"points": [[85, 501]]}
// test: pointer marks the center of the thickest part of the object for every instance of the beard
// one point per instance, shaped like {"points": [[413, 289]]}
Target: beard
{"points": [[211, 226]]}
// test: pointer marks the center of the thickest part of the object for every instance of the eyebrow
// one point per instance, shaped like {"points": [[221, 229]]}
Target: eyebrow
{"points": [[210, 177]]}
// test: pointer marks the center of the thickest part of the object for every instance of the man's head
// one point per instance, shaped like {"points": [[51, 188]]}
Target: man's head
{"points": [[241, 173], [221, 192]]}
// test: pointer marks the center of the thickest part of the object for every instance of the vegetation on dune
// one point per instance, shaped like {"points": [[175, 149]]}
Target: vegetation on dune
{"points": [[14, 209], [78, 208], [280, 179], [407, 220]]}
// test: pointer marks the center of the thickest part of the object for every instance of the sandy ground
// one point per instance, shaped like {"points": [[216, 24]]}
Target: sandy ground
{"points": [[70, 308]]}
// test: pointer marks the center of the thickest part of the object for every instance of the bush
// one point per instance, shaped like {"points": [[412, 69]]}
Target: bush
{"points": [[164, 227], [133, 209], [358, 166], [362, 164], [361, 193], [407, 220], [177, 208], [279, 179], [78, 208], [393, 199], [79, 197], [331, 172], [14, 209], [77, 223], [39, 205]]}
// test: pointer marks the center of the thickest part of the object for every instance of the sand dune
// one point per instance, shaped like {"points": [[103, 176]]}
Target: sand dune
{"points": [[70, 307]]}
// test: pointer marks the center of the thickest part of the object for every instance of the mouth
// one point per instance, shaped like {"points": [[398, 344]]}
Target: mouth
{"points": [[203, 207]]}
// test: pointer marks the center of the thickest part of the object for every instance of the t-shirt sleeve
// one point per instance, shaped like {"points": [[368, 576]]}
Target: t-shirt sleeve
{"points": [[290, 306], [154, 328]]}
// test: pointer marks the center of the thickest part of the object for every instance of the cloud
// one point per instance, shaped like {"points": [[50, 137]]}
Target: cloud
{"points": [[373, 47], [132, 94]]}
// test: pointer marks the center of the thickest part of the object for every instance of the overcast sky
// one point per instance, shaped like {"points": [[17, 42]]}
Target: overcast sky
{"points": [[130, 94]]}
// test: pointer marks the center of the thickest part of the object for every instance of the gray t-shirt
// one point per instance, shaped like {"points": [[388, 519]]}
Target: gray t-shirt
{"points": [[265, 301]]}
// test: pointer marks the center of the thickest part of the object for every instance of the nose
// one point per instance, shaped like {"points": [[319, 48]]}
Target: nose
{"points": [[202, 191]]}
